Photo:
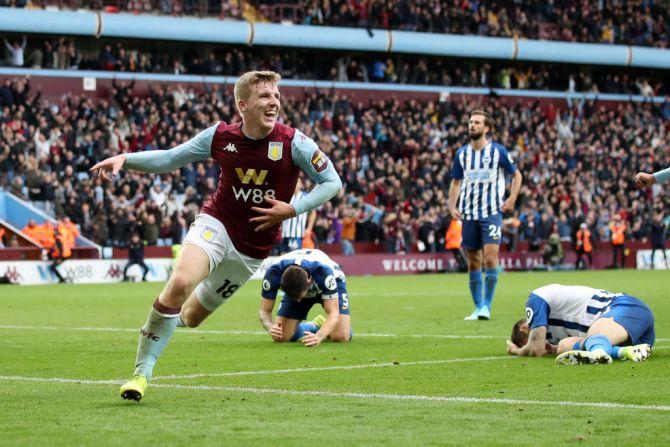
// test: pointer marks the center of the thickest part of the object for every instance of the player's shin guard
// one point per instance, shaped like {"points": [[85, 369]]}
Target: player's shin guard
{"points": [[306, 326], [598, 341], [490, 290], [154, 336], [476, 286]]}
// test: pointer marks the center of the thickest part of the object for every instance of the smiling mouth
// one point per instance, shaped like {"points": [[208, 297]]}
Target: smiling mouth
{"points": [[271, 114]]}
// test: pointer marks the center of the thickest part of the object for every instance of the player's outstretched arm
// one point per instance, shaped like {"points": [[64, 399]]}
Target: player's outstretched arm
{"points": [[644, 179], [159, 162]]}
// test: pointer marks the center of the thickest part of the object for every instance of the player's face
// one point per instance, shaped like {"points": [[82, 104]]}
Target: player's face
{"points": [[476, 127], [262, 107]]}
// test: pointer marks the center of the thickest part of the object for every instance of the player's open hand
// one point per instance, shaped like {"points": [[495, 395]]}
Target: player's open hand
{"points": [[111, 165], [311, 339], [276, 332], [644, 180], [279, 212]]}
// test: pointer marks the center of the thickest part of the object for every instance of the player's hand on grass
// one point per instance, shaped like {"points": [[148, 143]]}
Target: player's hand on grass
{"points": [[279, 212], [455, 214], [276, 332], [551, 349], [311, 339], [512, 349], [111, 165], [644, 180]]}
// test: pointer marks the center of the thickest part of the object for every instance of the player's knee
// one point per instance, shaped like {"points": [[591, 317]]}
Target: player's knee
{"points": [[178, 287], [491, 262]]}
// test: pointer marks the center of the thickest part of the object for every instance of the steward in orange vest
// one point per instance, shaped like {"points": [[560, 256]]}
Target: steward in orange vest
{"points": [[618, 237], [583, 246]]}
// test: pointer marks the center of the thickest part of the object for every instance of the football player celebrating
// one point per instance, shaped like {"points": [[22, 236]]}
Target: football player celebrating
{"points": [[306, 277], [260, 160]]}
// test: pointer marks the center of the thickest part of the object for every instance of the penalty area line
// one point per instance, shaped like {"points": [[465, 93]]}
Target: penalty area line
{"points": [[351, 395]]}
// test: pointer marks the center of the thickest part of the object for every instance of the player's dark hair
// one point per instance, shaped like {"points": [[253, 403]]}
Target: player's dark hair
{"points": [[488, 121], [294, 281], [519, 338]]}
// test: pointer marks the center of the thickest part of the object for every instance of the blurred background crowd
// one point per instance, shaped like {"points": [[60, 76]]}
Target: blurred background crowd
{"points": [[578, 160]]}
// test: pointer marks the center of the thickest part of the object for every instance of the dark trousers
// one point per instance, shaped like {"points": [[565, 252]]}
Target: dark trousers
{"points": [[661, 248], [53, 267], [458, 254], [618, 252], [580, 261], [139, 262]]}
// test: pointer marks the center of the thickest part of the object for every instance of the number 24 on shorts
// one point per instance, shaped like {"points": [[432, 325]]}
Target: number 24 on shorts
{"points": [[495, 232]]}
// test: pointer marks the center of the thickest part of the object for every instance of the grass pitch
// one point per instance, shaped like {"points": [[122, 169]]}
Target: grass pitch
{"points": [[414, 374]]}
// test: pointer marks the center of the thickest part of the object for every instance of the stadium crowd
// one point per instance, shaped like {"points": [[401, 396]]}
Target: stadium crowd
{"points": [[394, 158], [636, 22], [71, 54]]}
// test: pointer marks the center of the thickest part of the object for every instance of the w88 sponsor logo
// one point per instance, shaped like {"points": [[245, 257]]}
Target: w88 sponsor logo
{"points": [[256, 195], [249, 177]]}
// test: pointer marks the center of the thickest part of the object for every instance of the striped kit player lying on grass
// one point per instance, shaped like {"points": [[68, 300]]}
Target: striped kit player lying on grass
{"points": [[583, 325]]}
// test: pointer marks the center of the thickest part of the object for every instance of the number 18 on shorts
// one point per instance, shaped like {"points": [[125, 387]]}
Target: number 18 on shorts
{"points": [[477, 233]]}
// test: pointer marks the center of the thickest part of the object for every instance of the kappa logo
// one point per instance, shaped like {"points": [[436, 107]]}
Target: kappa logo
{"points": [[319, 161], [275, 150], [250, 175], [230, 148]]}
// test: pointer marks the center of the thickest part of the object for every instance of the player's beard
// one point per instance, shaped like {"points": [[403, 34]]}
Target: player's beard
{"points": [[476, 136]]}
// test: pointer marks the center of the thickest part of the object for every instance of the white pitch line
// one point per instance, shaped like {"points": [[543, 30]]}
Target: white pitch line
{"points": [[242, 332], [330, 368], [399, 397]]}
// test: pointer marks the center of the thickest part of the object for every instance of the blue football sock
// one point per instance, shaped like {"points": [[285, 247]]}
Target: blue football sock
{"points": [[598, 341], [154, 336], [617, 352], [476, 286], [305, 326], [491, 282]]}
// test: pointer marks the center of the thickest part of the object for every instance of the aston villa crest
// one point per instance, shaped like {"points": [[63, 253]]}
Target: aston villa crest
{"points": [[275, 150]]}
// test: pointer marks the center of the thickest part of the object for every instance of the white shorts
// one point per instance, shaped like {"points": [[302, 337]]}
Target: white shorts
{"points": [[228, 268]]}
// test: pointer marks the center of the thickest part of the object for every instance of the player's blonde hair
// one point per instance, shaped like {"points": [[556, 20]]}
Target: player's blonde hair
{"points": [[243, 85]]}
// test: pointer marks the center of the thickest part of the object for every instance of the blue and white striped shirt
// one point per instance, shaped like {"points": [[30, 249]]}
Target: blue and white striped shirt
{"points": [[483, 187], [567, 311], [295, 226]]}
